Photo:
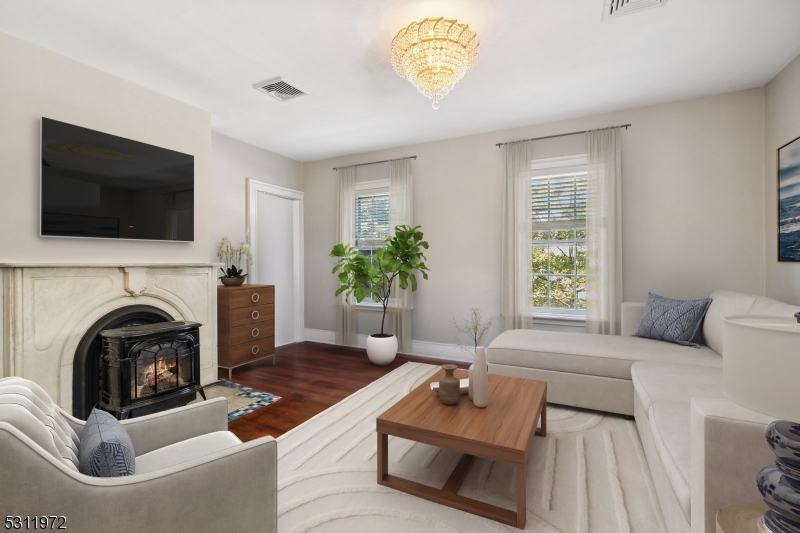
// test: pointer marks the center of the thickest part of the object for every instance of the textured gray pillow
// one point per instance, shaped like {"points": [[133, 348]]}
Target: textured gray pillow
{"points": [[671, 320], [105, 449]]}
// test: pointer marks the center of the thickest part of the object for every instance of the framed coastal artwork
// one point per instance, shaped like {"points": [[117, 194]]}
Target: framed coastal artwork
{"points": [[789, 201]]}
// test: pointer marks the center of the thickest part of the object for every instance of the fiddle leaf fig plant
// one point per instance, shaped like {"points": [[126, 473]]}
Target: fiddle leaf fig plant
{"points": [[396, 264]]}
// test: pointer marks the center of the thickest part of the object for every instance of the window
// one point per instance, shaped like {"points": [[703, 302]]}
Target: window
{"points": [[558, 236], [371, 219]]}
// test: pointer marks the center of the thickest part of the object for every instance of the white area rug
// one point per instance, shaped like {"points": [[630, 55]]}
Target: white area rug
{"points": [[588, 475]]}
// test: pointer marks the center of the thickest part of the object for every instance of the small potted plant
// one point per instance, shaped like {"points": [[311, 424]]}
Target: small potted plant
{"points": [[233, 276], [469, 333], [374, 277]]}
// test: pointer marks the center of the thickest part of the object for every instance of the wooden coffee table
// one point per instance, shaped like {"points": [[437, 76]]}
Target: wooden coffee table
{"points": [[501, 432]]}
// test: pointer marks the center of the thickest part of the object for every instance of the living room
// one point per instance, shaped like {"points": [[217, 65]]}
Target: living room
{"points": [[675, 126]]}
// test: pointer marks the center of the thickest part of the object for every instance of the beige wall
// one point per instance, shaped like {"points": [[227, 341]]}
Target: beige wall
{"points": [[782, 125], [36, 82], [692, 209], [232, 162], [694, 189]]}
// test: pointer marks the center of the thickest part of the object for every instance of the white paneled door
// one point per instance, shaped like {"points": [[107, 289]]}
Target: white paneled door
{"points": [[275, 233]]}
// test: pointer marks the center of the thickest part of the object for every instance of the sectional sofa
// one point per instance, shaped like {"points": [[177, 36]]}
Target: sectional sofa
{"points": [[703, 450]]}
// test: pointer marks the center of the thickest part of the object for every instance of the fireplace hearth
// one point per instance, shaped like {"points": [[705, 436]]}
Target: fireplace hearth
{"points": [[52, 315], [149, 368]]}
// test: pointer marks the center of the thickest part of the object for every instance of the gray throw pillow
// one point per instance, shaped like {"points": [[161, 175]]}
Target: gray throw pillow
{"points": [[105, 449], [671, 320]]}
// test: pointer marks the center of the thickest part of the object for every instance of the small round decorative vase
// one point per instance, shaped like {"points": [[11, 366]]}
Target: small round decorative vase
{"points": [[381, 348], [231, 282], [780, 484], [449, 386]]}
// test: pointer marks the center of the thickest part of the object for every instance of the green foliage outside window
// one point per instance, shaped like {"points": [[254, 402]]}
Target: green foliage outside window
{"points": [[558, 268]]}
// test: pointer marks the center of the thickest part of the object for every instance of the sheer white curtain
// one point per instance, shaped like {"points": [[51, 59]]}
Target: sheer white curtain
{"points": [[516, 243], [345, 311], [398, 316], [604, 233]]}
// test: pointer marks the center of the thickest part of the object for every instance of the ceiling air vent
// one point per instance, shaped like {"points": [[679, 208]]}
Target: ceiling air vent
{"points": [[617, 8], [277, 88]]}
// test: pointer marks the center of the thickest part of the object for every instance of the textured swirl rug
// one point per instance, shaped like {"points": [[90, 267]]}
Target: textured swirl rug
{"points": [[588, 475]]}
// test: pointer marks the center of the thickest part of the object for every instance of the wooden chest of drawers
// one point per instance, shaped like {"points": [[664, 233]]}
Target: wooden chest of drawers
{"points": [[246, 325]]}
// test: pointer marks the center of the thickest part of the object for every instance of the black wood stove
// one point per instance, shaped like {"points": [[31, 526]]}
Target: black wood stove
{"points": [[149, 368]]}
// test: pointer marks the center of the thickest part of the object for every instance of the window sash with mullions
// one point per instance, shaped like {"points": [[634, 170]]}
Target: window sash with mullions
{"points": [[371, 221], [558, 198], [557, 279]]}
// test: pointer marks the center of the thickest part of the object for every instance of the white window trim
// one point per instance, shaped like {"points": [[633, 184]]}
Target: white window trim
{"points": [[564, 165], [369, 305], [549, 320], [551, 315], [372, 187], [549, 163]]}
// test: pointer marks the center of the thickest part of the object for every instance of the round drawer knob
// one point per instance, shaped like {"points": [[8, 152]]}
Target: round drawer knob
{"points": [[254, 350], [255, 297], [255, 315], [255, 332]]}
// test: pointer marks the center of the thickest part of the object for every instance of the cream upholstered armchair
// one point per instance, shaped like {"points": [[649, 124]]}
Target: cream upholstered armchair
{"points": [[191, 473]]}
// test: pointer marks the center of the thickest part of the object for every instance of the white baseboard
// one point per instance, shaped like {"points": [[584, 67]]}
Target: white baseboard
{"points": [[319, 335], [438, 350]]}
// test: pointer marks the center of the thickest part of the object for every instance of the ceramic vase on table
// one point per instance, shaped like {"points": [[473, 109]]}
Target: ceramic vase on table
{"points": [[480, 379], [449, 386], [470, 381], [231, 282]]}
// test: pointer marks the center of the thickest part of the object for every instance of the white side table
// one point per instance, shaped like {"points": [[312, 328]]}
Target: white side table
{"points": [[740, 518]]}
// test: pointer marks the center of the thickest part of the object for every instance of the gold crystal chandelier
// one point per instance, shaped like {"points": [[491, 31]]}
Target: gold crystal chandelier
{"points": [[434, 54]]}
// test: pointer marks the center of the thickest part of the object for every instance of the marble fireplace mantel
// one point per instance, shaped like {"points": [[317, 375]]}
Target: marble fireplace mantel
{"points": [[47, 308]]}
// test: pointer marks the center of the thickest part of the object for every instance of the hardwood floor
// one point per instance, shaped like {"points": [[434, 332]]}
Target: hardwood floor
{"points": [[309, 377]]}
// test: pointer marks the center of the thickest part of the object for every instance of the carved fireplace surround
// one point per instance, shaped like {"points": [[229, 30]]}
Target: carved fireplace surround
{"points": [[47, 308]]}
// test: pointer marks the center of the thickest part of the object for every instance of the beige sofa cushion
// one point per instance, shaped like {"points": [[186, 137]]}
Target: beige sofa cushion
{"points": [[728, 303], [186, 450], [770, 307], [669, 382], [670, 427], [596, 355], [724, 303]]}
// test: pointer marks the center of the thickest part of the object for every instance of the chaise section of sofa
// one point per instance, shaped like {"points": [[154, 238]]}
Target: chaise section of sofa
{"points": [[589, 371]]}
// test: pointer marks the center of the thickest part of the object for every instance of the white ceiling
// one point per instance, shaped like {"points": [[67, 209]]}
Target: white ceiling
{"points": [[541, 60]]}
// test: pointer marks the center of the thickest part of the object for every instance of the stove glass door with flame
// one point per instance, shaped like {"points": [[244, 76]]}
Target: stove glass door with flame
{"points": [[161, 366]]}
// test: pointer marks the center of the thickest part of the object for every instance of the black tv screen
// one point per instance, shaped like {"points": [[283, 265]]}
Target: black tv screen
{"points": [[100, 185]]}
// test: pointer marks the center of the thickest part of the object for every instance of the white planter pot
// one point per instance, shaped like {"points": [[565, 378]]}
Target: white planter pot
{"points": [[381, 350]]}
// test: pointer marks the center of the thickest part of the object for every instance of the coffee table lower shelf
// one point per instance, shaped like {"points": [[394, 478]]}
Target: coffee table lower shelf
{"points": [[448, 494]]}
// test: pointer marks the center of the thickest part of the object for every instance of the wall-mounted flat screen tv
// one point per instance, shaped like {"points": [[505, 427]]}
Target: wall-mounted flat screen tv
{"points": [[103, 186]]}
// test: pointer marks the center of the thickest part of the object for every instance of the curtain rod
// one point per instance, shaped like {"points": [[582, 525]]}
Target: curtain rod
{"points": [[376, 162], [626, 126]]}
